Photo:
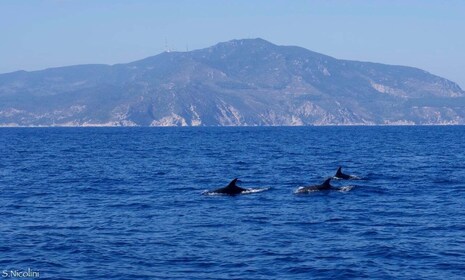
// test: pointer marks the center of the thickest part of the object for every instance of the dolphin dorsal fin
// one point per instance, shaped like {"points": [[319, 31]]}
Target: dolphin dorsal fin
{"points": [[339, 172], [232, 183], [326, 182]]}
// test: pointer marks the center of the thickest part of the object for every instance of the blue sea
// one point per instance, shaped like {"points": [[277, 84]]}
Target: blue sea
{"points": [[130, 203]]}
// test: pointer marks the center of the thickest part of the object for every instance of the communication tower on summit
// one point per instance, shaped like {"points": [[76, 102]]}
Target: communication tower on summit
{"points": [[167, 49]]}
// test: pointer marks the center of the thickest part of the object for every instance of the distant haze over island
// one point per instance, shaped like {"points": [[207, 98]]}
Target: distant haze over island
{"points": [[248, 82]]}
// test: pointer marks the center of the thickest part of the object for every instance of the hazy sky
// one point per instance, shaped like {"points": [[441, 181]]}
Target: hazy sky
{"points": [[38, 34]]}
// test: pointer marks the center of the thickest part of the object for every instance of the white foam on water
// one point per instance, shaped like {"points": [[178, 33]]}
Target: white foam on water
{"points": [[212, 193], [352, 177], [247, 191], [345, 188], [300, 190]]}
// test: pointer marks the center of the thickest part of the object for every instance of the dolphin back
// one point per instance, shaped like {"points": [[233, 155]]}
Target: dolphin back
{"points": [[230, 189]]}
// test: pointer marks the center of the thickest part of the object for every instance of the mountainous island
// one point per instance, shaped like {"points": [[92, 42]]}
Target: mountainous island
{"points": [[248, 82]]}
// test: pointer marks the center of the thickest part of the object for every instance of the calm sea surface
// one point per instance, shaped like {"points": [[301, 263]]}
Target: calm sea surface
{"points": [[127, 203]]}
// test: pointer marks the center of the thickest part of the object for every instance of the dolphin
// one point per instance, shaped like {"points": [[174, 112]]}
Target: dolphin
{"points": [[325, 186], [230, 189], [340, 175]]}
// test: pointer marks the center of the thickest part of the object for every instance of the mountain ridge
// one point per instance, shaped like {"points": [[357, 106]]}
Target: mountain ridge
{"points": [[249, 82]]}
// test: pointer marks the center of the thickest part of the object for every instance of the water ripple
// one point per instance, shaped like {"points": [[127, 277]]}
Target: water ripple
{"points": [[125, 203]]}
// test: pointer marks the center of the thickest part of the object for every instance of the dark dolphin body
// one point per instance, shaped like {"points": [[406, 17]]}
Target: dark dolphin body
{"points": [[230, 189], [325, 186], [341, 175]]}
